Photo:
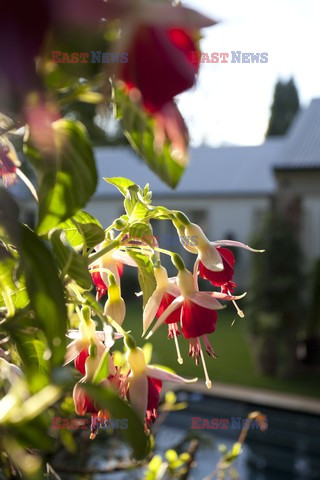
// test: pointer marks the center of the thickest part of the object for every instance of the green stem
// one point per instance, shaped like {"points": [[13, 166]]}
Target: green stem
{"points": [[114, 244]]}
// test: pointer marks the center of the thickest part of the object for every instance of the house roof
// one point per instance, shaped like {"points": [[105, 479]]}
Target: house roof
{"points": [[212, 171], [302, 146]]}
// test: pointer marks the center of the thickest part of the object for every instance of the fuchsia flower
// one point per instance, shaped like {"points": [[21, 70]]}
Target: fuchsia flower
{"points": [[83, 338], [112, 262], [155, 52], [223, 278], [144, 382], [198, 316]]}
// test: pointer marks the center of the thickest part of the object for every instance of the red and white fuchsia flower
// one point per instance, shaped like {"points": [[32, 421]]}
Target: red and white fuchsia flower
{"points": [[156, 51], [198, 316], [144, 381], [83, 338], [165, 292]]}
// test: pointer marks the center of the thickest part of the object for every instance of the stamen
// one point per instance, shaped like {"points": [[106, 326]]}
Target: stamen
{"points": [[209, 348], [208, 381], [179, 357], [239, 311]]}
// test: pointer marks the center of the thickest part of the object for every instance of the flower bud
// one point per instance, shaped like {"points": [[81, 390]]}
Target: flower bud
{"points": [[115, 306], [178, 262], [161, 277]]}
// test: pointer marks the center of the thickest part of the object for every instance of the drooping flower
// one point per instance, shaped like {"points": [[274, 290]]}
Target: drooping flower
{"points": [[144, 381], [160, 64], [115, 306], [198, 316], [154, 390], [76, 350], [164, 294], [224, 278], [112, 262]]}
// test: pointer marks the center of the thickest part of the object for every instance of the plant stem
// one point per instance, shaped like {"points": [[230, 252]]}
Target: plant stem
{"points": [[114, 244]]}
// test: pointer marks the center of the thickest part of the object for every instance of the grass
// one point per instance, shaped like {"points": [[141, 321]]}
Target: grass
{"points": [[235, 363]]}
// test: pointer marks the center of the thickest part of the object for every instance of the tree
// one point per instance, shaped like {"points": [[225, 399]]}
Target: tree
{"points": [[284, 108], [276, 303]]}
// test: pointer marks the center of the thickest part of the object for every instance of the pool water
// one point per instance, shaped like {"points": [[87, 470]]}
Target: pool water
{"points": [[288, 450]]}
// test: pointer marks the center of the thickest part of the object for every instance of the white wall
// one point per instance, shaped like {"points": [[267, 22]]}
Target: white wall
{"points": [[222, 216]]}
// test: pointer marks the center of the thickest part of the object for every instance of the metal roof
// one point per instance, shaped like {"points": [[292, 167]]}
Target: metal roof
{"points": [[302, 147], [212, 171]]}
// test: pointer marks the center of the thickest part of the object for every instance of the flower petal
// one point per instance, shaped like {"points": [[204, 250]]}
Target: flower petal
{"points": [[151, 308], [174, 305], [211, 258], [138, 394], [173, 289], [73, 349], [207, 301], [225, 296], [159, 374], [233, 243]]}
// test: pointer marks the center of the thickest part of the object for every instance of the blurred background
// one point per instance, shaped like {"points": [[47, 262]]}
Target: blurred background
{"points": [[254, 176]]}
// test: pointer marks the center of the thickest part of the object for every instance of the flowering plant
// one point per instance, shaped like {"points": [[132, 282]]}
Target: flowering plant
{"points": [[50, 314]]}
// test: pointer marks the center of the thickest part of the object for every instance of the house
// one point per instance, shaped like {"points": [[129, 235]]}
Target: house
{"points": [[227, 190]]}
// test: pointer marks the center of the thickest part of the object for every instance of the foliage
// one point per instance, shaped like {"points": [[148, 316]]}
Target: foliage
{"points": [[284, 108], [48, 274], [276, 296]]}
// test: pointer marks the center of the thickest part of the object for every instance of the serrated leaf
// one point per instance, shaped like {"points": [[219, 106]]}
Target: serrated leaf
{"points": [[67, 175], [139, 128], [134, 434], [70, 262], [83, 227], [121, 183]]}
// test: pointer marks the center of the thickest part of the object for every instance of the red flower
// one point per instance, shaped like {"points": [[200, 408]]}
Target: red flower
{"points": [[160, 64], [223, 278], [173, 319], [196, 320], [80, 361], [101, 287], [154, 389]]}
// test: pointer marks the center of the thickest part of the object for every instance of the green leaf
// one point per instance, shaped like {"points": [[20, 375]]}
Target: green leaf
{"points": [[70, 262], [141, 231], [139, 129], [134, 434], [146, 277], [67, 175], [7, 265], [121, 183], [30, 349], [83, 228], [45, 292]]}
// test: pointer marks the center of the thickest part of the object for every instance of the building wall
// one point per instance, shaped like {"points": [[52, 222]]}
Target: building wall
{"points": [[234, 218]]}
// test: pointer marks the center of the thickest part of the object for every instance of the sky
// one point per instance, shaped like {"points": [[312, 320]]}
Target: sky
{"points": [[231, 102]]}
